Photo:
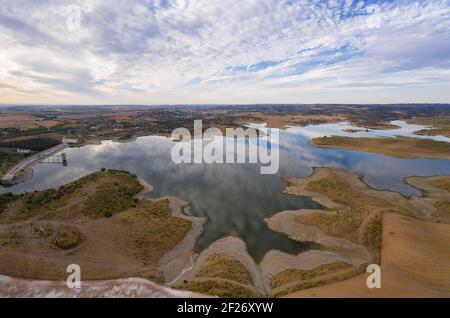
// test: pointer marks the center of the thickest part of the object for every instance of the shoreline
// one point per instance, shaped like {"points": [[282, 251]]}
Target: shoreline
{"points": [[117, 288], [392, 207], [182, 263], [174, 263], [26, 165], [397, 147]]}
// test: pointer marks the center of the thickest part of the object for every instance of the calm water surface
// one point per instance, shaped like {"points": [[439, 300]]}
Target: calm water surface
{"points": [[236, 197]]}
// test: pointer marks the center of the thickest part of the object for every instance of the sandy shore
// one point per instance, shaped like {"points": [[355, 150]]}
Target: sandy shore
{"points": [[235, 248], [419, 207], [119, 288], [285, 222], [147, 188], [421, 244], [130, 243], [411, 248], [179, 260]]}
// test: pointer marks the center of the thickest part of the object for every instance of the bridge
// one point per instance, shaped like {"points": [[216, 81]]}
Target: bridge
{"points": [[56, 159], [27, 164]]}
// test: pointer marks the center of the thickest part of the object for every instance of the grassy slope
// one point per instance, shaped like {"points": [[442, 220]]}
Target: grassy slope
{"points": [[345, 224], [223, 276]]}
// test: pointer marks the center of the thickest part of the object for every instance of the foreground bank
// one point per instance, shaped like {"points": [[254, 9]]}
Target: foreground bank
{"points": [[103, 223]]}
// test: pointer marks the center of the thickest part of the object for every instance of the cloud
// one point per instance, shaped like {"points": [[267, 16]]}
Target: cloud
{"points": [[225, 51]]}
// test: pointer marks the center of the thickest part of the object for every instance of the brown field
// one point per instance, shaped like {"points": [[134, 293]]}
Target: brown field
{"points": [[415, 263], [24, 121], [281, 121], [400, 147]]}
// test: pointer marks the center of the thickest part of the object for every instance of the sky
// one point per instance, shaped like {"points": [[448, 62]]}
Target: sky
{"points": [[224, 51]]}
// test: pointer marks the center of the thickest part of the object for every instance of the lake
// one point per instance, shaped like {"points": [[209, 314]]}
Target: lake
{"points": [[236, 197]]}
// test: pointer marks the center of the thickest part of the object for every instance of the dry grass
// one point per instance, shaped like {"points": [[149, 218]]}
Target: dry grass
{"points": [[24, 121], [401, 147], [337, 224], [68, 237], [224, 276], [353, 131], [226, 267], [222, 289], [441, 126], [414, 263], [292, 275], [442, 209], [325, 275], [152, 230], [10, 238], [281, 121], [373, 233], [346, 224], [97, 194], [129, 243], [442, 183]]}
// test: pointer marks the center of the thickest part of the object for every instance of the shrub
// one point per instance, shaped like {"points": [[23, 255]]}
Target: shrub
{"points": [[68, 237]]}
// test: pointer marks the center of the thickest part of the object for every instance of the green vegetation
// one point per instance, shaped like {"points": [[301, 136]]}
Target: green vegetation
{"points": [[33, 143], [354, 131], [5, 199], [36, 200], [110, 191], [219, 288], [107, 200], [8, 159], [225, 267], [112, 196], [68, 237]]}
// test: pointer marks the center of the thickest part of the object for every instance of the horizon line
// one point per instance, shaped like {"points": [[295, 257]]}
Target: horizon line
{"points": [[217, 104]]}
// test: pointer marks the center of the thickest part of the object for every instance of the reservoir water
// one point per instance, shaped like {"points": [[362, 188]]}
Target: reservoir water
{"points": [[236, 197]]}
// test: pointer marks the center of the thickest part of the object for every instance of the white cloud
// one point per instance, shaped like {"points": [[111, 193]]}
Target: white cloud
{"points": [[225, 51]]}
